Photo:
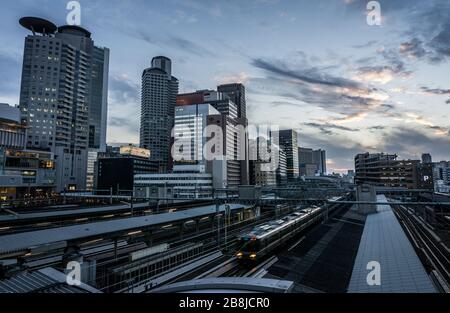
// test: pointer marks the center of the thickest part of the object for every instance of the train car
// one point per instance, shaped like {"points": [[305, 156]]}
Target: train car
{"points": [[264, 239]]}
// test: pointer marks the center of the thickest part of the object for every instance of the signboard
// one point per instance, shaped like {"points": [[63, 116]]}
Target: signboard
{"points": [[148, 252], [134, 151]]}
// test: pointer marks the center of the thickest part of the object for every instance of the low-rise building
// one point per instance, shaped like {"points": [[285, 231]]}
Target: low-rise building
{"points": [[384, 170], [23, 173], [26, 173], [174, 185], [118, 171]]}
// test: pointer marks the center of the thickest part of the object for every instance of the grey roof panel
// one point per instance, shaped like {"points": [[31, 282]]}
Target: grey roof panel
{"points": [[384, 241], [46, 280], [229, 284], [24, 241], [30, 216]]}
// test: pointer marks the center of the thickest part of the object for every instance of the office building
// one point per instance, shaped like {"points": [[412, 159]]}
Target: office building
{"points": [[98, 105], [229, 101], [236, 93], [308, 170], [98, 111], [118, 171], [441, 176], [174, 185], [12, 132], [63, 96], [198, 97], [190, 124], [307, 167], [220, 101], [261, 171], [281, 173], [26, 173], [384, 170], [159, 96], [288, 139], [23, 173], [424, 176], [305, 155], [234, 148], [320, 159], [192, 173]]}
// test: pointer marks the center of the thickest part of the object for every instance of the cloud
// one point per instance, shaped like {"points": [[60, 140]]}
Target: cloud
{"points": [[428, 26], [242, 78], [10, 75], [125, 123], [317, 87], [124, 109], [413, 49], [327, 127], [376, 128], [340, 149], [436, 91], [171, 41], [379, 74], [311, 75], [411, 143], [123, 91], [368, 44]]}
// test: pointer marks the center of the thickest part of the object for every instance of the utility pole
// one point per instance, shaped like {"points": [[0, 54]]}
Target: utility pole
{"points": [[218, 222], [227, 217]]}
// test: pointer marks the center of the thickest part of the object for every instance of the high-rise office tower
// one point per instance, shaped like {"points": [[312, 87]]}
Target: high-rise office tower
{"points": [[220, 101], [190, 124], [98, 111], [235, 152], [159, 97], [282, 167], [289, 140], [236, 93], [223, 101], [320, 159], [63, 98]]}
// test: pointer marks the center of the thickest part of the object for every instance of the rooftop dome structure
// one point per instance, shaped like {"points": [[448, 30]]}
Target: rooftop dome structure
{"points": [[38, 25]]}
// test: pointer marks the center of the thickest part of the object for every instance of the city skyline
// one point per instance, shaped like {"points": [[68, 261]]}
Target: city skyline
{"points": [[356, 88]]}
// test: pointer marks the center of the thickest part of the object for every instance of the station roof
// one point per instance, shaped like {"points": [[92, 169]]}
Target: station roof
{"points": [[384, 241], [229, 285], [64, 213], [16, 243], [46, 280]]}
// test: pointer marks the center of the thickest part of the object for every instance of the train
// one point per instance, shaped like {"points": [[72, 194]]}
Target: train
{"points": [[266, 238]]}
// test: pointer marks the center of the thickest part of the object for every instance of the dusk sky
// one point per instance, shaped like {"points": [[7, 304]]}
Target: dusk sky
{"points": [[315, 66]]}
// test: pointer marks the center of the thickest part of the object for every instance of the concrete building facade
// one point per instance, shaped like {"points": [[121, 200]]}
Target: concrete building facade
{"points": [[63, 99]]}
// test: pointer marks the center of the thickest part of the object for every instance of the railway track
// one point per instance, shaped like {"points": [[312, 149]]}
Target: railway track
{"points": [[433, 252]]}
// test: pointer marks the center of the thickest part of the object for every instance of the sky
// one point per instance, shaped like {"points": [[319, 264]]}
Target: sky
{"points": [[314, 66]]}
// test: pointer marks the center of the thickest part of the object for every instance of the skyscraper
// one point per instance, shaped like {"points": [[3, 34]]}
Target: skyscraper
{"points": [[190, 124], [289, 140], [234, 160], [63, 96], [320, 159], [236, 93], [159, 96]]}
